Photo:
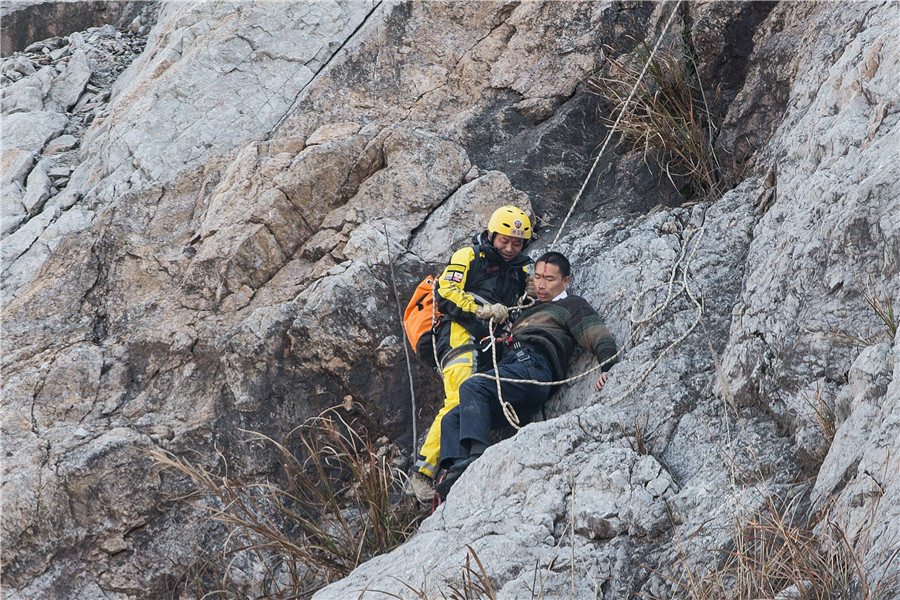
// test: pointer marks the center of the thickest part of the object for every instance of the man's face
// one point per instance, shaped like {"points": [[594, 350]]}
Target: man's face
{"points": [[508, 247], [548, 281]]}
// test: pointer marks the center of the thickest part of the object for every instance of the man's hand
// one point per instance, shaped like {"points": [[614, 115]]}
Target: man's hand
{"points": [[530, 289], [601, 381], [498, 312]]}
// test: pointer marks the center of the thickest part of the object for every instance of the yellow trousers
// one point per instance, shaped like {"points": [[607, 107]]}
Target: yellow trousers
{"points": [[456, 369]]}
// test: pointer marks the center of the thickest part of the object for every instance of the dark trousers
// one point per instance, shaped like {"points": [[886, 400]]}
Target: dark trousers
{"points": [[479, 409]]}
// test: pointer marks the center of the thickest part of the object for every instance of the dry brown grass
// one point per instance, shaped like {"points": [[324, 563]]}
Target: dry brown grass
{"points": [[774, 556], [669, 118], [338, 504]]}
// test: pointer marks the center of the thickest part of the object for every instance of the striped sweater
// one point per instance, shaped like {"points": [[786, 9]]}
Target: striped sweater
{"points": [[555, 328]]}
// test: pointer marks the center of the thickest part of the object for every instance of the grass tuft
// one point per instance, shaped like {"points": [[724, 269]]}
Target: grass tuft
{"points": [[638, 437], [775, 557], [338, 504], [879, 301], [669, 118], [823, 411]]}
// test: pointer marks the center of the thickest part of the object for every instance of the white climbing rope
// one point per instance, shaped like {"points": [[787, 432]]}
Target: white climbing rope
{"points": [[638, 324], [508, 411], [616, 124], [412, 390], [698, 304]]}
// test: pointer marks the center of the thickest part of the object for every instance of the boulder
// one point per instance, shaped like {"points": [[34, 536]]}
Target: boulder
{"points": [[69, 84], [37, 188], [25, 95], [61, 144], [32, 130]]}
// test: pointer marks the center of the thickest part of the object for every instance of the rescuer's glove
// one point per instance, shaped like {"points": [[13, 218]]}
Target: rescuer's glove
{"points": [[497, 312]]}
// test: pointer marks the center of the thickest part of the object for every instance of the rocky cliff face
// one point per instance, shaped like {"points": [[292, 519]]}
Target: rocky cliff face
{"points": [[218, 259]]}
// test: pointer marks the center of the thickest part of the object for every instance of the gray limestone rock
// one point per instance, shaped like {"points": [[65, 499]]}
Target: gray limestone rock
{"points": [[12, 212], [195, 60], [16, 163], [35, 112], [70, 83], [37, 188], [32, 130], [470, 206], [17, 67], [25, 95], [19, 242], [223, 255], [61, 144]]}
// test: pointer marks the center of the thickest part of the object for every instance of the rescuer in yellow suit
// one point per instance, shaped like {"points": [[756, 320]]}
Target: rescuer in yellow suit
{"points": [[480, 282]]}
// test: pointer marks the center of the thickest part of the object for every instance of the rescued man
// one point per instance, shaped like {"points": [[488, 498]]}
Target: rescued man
{"points": [[478, 285], [544, 338]]}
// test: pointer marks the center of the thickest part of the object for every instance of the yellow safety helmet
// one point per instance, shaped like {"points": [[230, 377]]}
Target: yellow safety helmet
{"points": [[510, 221]]}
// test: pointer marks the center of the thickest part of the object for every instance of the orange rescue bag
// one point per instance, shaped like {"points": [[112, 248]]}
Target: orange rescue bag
{"points": [[420, 319]]}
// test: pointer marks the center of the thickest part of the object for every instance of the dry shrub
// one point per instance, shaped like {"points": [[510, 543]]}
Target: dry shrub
{"points": [[339, 503], [668, 118]]}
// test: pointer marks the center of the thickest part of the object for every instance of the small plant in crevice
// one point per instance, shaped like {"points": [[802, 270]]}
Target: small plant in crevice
{"points": [[668, 118], [823, 411], [338, 503], [878, 299], [638, 437], [880, 303]]}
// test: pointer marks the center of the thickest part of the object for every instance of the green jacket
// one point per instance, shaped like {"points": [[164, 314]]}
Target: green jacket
{"points": [[555, 328]]}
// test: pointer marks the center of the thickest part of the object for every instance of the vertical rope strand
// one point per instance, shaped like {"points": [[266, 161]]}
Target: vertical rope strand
{"points": [[616, 124], [412, 391]]}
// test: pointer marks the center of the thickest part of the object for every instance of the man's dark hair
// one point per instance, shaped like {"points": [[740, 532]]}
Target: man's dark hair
{"points": [[558, 259]]}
